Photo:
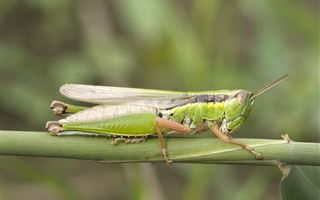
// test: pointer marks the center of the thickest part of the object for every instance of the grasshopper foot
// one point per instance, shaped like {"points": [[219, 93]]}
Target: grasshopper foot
{"points": [[286, 138], [54, 127], [165, 156], [257, 155], [58, 107], [117, 140]]}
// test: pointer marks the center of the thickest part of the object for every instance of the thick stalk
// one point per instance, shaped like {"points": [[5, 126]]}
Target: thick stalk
{"points": [[180, 150]]}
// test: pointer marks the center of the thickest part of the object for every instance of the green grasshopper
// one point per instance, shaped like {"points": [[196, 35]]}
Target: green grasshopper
{"points": [[132, 115]]}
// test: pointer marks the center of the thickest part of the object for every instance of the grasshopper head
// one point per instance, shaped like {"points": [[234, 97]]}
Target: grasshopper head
{"points": [[237, 110], [239, 105]]}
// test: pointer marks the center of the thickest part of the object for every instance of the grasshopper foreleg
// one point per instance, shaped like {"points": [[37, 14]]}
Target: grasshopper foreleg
{"points": [[227, 139]]}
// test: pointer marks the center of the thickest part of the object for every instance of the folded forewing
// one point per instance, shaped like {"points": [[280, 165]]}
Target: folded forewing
{"points": [[132, 96]]}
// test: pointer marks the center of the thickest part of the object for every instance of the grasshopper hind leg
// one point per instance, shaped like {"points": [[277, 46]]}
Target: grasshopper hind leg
{"points": [[128, 140], [60, 108], [54, 127]]}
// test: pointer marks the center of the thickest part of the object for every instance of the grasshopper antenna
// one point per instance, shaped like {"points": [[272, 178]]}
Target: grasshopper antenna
{"points": [[269, 86]]}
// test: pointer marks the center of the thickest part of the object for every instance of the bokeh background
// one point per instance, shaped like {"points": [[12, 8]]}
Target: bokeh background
{"points": [[161, 44]]}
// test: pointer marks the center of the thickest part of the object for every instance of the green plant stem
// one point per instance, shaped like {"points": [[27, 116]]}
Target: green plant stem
{"points": [[180, 150]]}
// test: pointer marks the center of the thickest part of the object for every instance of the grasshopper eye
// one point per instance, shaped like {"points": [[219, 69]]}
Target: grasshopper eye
{"points": [[242, 97]]}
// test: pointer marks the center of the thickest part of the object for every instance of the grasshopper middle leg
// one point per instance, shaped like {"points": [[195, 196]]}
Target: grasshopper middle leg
{"points": [[165, 123]]}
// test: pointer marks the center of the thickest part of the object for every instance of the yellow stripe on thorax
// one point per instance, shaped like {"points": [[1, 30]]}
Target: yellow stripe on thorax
{"points": [[217, 105], [215, 110]]}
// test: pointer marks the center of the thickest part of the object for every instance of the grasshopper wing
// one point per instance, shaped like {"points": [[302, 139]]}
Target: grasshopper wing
{"points": [[131, 96]]}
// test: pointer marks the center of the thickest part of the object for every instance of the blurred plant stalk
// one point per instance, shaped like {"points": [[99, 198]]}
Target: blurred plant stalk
{"points": [[181, 150]]}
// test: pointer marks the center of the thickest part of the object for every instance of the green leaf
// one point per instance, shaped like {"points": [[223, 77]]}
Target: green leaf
{"points": [[301, 182]]}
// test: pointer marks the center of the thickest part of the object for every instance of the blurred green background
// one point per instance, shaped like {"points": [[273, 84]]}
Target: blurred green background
{"points": [[161, 44]]}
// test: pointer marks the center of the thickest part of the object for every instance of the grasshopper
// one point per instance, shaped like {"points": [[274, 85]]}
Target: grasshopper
{"points": [[132, 115]]}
